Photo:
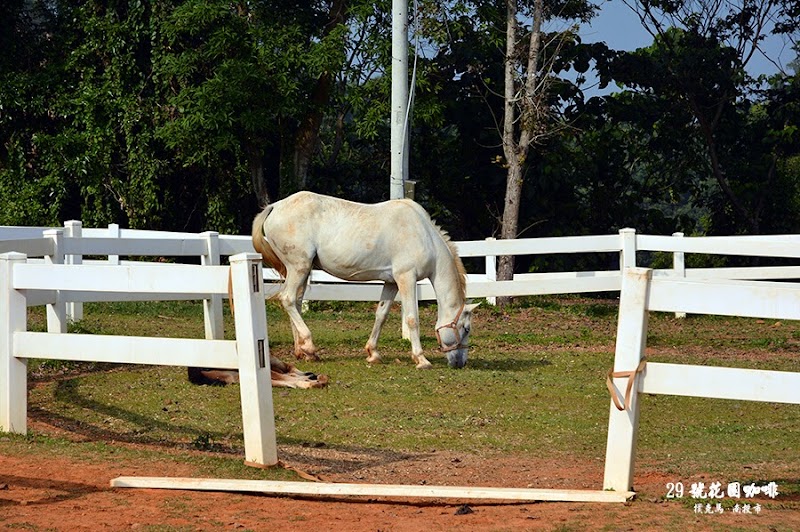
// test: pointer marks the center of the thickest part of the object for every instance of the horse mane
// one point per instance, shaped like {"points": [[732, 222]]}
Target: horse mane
{"points": [[461, 272]]}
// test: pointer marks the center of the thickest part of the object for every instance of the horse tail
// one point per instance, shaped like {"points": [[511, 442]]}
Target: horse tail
{"points": [[262, 246]]}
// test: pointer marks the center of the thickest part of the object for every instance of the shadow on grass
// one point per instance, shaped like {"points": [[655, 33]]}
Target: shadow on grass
{"points": [[342, 459], [67, 391], [508, 364]]}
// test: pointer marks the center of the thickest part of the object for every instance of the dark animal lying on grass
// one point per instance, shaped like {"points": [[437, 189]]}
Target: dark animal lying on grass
{"points": [[283, 376]]}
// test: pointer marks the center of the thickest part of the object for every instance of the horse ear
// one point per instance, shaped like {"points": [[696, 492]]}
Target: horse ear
{"points": [[469, 307]]}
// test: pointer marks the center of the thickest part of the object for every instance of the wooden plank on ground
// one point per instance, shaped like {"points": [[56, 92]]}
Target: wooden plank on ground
{"points": [[370, 490]]}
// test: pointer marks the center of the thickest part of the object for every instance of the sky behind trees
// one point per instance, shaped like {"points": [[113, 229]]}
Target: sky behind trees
{"points": [[617, 25]]}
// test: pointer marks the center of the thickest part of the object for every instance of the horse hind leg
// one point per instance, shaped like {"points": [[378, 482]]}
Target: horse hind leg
{"points": [[291, 298], [381, 313]]}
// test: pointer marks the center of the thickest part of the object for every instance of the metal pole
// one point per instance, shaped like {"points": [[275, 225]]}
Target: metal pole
{"points": [[399, 148]]}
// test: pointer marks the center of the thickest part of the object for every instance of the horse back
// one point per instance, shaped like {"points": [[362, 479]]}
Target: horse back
{"points": [[353, 240]]}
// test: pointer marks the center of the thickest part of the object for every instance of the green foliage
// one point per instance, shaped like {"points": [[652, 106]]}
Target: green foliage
{"points": [[186, 114], [217, 77]]}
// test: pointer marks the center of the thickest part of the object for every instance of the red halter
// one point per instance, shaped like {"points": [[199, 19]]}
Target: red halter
{"points": [[452, 325]]}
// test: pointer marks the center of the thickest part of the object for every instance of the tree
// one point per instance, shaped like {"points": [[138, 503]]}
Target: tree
{"points": [[229, 82], [698, 60], [263, 78], [28, 66], [529, 112], [81, 146]]}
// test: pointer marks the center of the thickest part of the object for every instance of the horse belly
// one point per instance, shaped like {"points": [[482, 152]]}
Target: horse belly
{"points": [[355, 264]]}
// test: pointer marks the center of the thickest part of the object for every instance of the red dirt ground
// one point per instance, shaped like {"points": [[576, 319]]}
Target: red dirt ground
{"points": [[49, 493]]}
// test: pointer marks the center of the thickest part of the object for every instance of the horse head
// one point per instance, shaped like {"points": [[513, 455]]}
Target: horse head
{"points": [[453, 337]]}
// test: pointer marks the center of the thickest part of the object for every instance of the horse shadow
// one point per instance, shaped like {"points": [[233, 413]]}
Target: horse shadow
{"points": [[507, 364]]}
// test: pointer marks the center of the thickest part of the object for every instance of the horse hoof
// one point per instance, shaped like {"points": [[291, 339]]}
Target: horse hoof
{"points": [[424, 365], [374, 359]]}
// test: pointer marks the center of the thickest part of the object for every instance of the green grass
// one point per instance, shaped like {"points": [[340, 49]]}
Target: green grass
{"points": [[534, 386]]}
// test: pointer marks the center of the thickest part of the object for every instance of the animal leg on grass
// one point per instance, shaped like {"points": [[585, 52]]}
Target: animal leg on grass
{"points": [[282, 375], [291, 297], [384, 306], [407, 286], [286, 375]]}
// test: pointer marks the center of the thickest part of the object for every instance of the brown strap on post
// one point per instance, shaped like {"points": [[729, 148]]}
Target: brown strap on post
{"points": [[631, 375], [303, 474], [284, 465]]}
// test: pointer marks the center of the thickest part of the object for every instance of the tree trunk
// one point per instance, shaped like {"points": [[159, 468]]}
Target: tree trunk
{"points": [[255, 163], [308, 132], [520, 118], [509, 229]]}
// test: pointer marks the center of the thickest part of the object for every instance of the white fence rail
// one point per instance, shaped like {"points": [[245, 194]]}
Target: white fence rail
{"points": [[72, 243]]}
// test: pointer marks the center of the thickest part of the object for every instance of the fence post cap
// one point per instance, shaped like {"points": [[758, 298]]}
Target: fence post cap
{"points": [[13, 255], [639, 271], [243, 257]]}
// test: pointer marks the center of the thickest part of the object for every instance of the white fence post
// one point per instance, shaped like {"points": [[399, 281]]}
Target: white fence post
{"points": [[627, 254], [212, 307], [13, 371], [113, 232], [73, 229], [679, 267], [56, 312], [252, 343], [491, 271], [631, 340]]}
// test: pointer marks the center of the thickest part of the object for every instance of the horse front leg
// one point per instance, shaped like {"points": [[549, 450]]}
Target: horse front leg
{"points": [[407, 286], [384, 306], [291, 298]]}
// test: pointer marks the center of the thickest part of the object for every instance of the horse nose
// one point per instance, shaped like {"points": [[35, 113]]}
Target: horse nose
{"points": [[457, 359]]}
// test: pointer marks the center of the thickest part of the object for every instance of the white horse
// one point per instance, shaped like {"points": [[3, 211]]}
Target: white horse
{"points": [[395, 242]]}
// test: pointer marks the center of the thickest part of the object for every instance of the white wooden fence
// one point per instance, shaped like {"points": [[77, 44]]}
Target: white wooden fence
{"points": [[54, 280], [22, 283], [72, 243], [642, 293]]}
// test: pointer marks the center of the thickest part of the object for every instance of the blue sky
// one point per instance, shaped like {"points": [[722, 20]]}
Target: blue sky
{"points": [[620, 28]]}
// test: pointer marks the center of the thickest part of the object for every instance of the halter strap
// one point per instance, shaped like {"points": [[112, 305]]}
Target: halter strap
{"points": [[452, 325]]}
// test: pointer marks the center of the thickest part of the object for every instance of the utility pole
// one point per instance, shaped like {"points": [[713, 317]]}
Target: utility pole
{"points": [[399, 146]]}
